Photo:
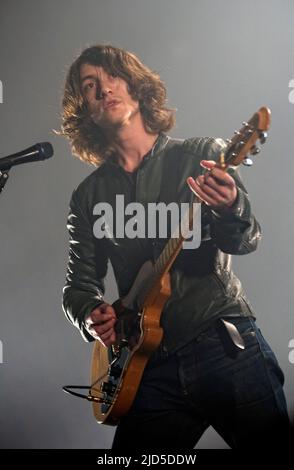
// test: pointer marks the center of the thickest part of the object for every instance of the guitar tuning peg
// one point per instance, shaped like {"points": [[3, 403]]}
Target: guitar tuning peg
{"points": [[237, 132], [262, 137], [245, 124], [240, 144], [254, 150], [229, 141], [247, 161]]}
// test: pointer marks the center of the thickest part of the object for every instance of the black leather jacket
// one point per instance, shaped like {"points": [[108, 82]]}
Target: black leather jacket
{"points": [[203, 284]]}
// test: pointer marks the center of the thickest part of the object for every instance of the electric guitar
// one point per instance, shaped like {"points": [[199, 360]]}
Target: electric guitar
{"points": [[117, 370]]}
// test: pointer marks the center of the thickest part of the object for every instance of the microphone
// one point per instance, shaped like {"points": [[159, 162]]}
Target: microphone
{"points": [[36, 152]]}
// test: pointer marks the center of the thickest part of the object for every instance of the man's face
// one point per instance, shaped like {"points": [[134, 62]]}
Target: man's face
{"points": [[108, 100]]}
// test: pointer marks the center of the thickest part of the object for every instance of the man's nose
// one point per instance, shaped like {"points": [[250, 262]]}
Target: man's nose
{"points": [[103, 92]]}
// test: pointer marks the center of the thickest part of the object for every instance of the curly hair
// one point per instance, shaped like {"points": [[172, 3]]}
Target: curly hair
{"points": [[88, 142]]}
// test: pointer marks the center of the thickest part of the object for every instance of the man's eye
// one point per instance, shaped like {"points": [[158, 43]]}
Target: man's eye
{"points": [[89, 86]]}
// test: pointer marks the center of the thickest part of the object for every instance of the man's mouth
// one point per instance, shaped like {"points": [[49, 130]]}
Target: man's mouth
{"points": [[110, 104]]}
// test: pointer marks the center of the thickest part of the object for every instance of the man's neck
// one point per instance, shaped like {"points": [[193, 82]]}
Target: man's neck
{"points": [[132, 143]]}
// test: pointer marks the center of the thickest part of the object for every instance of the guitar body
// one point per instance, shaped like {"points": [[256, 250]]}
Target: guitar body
{"points": [[117, 370]]}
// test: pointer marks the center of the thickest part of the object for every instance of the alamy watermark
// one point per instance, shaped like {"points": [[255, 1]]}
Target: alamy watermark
{"points": [[291, 94], [156, 220]]}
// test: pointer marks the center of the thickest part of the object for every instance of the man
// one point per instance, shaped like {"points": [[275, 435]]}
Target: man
{"points": [[213, 366]]}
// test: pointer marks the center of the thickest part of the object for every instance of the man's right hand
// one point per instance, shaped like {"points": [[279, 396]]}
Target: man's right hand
{"points": [[100, 324]]}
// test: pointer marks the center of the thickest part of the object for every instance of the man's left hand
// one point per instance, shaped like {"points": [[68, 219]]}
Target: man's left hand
{"points": [[216, 188]]}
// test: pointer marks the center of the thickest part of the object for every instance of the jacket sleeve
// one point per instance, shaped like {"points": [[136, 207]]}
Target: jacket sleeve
{"points": [[235, 230], [86, 269]]}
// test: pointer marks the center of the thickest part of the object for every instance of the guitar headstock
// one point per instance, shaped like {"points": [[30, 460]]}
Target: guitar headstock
{"points": [[243, 143]]}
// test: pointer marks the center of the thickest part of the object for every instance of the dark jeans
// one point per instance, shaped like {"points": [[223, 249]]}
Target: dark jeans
{"points": [[209, 382]]}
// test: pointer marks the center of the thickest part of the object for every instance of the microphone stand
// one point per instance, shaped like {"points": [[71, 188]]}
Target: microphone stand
{"points": [[3, 179]]}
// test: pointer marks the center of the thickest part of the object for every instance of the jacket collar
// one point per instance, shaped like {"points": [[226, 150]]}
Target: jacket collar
{"points": [[158, 146]]}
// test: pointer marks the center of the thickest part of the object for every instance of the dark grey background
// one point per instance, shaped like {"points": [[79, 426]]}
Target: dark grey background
{"points": [[221, 61]]}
